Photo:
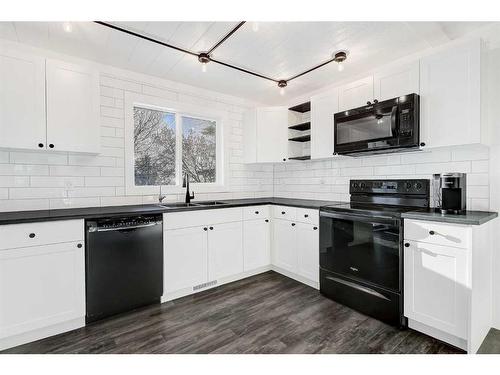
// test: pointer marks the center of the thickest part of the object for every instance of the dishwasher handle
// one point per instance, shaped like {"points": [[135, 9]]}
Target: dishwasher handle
{"points": [[95, 228]]}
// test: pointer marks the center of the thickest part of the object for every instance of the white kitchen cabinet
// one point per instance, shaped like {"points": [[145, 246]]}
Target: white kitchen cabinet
{"points": [[22, 100], [356, 94], [285, 245], [436, 286], [185, 258], [265, 135], [42, 287], [396, 81], [225, 250], [450, 96], [72, 107], [256, 244], [323, 107], [308, 251]]}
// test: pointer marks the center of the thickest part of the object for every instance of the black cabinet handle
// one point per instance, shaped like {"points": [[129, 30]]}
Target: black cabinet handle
{"points": [[256, 212], [422, 144], [284, 159], [32, 235], [267, 221], [79, 246], [432, 233], [283, 212], [51, 145], [407, 244], [211, 228], [306, 215], [315, 228], [205, 228], [293, 224], [40, 145]]}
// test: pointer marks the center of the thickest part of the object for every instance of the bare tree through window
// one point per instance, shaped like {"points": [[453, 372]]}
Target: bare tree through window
{"points": [[199, 149]]}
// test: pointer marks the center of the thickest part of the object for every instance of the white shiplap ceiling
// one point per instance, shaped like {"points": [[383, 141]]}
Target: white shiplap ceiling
{"points": [[277, 49]]}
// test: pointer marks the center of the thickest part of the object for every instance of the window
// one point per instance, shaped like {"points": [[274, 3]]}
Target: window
{"points": [[167, 145]]}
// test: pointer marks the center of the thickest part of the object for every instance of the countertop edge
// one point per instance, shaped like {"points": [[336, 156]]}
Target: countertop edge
{"points": [[452, 219]]}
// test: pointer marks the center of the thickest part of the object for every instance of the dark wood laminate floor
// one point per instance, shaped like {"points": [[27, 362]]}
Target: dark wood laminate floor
{"points": [[267, 313]]}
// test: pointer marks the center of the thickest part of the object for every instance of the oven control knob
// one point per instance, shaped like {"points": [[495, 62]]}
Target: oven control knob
{"points": [[408, 185], [418, 186], [355, 185], [363, 185]]}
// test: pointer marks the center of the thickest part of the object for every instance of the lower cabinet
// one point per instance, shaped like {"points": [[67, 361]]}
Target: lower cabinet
{"points": [[308, 251], [225, 250], [42, 287], [285, 245], [256, 244]]}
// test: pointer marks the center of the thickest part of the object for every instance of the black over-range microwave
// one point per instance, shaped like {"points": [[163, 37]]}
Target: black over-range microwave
{"points": [[379, 127]]}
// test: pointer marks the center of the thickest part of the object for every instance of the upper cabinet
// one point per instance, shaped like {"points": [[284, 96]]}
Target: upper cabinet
{"points": [[355, 94], [265, 135], [323, 107], [450, 95], [48, 104], [22, 101], [72, 107], [396, 81]]}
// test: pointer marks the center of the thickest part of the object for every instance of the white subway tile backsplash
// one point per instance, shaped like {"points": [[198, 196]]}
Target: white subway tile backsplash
{"points": [[82, 192], [38, 158], [53, 181], [481, 166], [23, 170], [4, 193], [73, 202], [95, 161], [4, 157], [74, 170], [27, 193], [14, 181], [104, 181]]}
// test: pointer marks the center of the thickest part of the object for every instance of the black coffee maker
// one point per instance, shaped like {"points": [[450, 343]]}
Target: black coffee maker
{"points": [[453, 188]]}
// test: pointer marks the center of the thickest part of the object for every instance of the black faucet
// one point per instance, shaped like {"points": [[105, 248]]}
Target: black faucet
{"points": [[185, 183]]}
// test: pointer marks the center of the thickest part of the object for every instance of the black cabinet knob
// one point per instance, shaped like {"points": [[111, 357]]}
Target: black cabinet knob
{"points": [[267, 221], [79, 246], [368, 103], [306, 215], [284, 159], [32, 235], [211, 228], [51, 145], [432, 233], [40, 145], [293, 224], [422, 144], [315, 228], [283, 212], [205, 228], [407, 244], [256, 212]]}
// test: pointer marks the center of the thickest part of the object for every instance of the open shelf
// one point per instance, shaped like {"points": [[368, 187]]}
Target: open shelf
{"points": [[305, 157], [304, 107], [302, 138], [301, 127]]}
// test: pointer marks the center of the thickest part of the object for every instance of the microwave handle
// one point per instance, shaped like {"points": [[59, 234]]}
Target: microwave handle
{"points": [[394, 121]]}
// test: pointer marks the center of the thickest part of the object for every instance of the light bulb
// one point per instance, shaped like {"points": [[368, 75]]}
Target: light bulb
{"points": [[204, 67], [255, 26], [282, 91], [340, 67], [67, 27]]}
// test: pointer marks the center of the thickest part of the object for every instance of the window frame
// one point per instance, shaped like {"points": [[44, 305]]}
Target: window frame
{"points": [[179, 109]]}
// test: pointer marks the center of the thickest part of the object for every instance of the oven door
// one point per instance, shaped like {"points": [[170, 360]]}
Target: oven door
{"points": [[363, 248], [367, 129]]}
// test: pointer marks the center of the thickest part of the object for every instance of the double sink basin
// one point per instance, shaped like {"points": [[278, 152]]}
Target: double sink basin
{"points": [[197, 204]]}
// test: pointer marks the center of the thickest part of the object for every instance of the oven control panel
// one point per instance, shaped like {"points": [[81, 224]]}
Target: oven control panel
{"points": [[410, 186]]}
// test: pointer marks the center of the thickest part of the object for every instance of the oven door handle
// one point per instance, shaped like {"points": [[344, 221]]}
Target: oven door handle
{"points": [[358, 287], [394, 121], [362, 218]]}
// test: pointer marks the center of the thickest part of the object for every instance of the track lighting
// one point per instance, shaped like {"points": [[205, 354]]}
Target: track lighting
{"points": [[282, 84], [339, 57], [204, 58]]}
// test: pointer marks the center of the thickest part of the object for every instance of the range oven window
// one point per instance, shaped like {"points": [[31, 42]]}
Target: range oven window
{"points": [[363, 249]]}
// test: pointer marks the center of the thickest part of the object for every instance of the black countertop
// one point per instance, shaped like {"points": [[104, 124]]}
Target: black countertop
{"points": [[98, 212], [468, 218]]}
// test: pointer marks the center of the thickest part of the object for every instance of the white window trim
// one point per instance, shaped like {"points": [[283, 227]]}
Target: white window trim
{"points": [[180, 109]]}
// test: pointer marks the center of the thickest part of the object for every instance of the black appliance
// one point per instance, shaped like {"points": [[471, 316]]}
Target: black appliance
{"points": [[361, 256], [453, 193], [123, 264], [379, 127]]}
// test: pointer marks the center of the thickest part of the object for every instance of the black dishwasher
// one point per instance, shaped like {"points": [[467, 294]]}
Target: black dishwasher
{"points": [[123, 264]]}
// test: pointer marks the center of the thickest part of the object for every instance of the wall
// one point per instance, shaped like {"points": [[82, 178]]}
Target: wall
{"points": [[42, 180], [329, 179]]}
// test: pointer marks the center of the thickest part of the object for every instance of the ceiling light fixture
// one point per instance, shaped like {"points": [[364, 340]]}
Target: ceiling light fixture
{"points": [[204, 58], [67, 26], [339, 57], [282, 84]]}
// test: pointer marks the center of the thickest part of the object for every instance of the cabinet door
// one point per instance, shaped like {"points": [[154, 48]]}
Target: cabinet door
{"points": [[72, 107], [185, 258], [436, 286], [285, 245], [356, 94], [256, 244], [272, 134], [22, 101], [323, 107], [308, 251], [225, 250], [450, 96], [397, 81], [41, 286]]}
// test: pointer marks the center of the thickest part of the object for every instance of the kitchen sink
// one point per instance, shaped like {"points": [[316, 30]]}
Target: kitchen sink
{"points": [[210, 203], [178, 205]]}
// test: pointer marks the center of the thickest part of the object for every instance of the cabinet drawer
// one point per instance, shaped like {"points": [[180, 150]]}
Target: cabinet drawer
{"points": [[255, 212], [307, 216], [196, 218], [437, 233], [34, 234], [284, 212]]}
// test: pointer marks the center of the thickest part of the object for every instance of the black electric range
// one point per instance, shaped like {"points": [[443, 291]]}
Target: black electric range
{"points": [[361, 255]]}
